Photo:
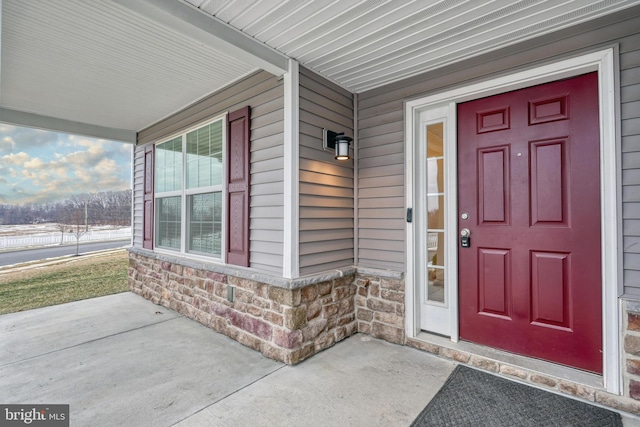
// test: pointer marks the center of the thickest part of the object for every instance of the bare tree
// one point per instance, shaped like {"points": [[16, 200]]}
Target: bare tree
{"points": [[81, 202], [61, 228], [78, 225], [70, 218], [63, 218]]}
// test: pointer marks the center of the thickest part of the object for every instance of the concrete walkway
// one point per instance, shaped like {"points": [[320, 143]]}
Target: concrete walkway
{"points": [[123, 361]]}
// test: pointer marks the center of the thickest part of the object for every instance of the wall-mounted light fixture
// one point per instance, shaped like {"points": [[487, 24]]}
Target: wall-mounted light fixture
{"points": [[337, 142]]}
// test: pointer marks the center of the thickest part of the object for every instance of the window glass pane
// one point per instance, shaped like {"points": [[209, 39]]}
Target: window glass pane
{"points": [[204, 164], [435, 212], [436, 285], [168, 219], [435, 146], [168, 166], [205, 223], [204, 156], [435, 249], [435, 176], [435, 269], [436, 289], [192, 156]]}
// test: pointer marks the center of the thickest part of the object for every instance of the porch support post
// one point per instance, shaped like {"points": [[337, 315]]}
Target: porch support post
{"points": [[0, 49], [356, 184], [410, 292], [291, 260]]}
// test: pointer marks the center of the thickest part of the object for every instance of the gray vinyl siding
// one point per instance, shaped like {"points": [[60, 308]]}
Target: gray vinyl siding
{"points": [[264, 93], [381, 188], [326, 185], [381, 232], [630, 131]]}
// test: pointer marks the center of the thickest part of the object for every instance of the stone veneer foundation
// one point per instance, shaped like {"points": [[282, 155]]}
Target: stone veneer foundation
{"points": [[379, 305], [290, 321], [285, 324], [631, 345]]}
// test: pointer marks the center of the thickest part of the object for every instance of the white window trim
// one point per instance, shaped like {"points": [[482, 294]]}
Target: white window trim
{"points": [[603, 61], [184, 193]]}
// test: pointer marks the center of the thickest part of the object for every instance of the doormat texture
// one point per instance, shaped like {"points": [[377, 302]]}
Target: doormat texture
{"points": [[474, 398]]}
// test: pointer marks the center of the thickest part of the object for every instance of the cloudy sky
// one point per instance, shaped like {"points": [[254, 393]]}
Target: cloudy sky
{"points": [[40, 166]]}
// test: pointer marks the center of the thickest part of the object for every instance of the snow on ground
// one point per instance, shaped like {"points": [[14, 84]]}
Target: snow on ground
{"points": [[16, 236]]}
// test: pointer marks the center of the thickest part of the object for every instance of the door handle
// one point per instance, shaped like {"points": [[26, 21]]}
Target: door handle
{"points": [[465, 238]]}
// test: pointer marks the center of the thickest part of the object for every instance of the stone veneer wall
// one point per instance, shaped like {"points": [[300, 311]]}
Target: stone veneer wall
{"points": [[631, 345], [380, 306], [287, 325]]}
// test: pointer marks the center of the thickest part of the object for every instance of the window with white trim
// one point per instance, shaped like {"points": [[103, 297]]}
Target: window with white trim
{"points": [[189, 185]]}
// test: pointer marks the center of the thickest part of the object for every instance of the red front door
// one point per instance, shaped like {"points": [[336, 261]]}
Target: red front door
{"points": [[529, 188]]}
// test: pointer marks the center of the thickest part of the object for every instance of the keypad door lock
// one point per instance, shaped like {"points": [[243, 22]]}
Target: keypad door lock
{"points": [[465, 238]]}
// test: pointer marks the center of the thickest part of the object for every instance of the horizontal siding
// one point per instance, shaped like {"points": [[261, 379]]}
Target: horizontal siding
{"points": [[256, 88], [326, 185], [312, 236], [630, 126], [381, 203], [264, 93], [631, 92], [381, 231]]}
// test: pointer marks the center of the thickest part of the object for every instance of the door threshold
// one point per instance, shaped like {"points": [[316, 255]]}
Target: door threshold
{"points": [[533, 366]]}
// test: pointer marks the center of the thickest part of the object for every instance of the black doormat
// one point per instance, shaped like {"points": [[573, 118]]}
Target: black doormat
{"points": [[474, 398]]}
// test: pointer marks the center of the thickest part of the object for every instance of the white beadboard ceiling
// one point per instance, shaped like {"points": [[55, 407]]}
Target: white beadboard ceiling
{"points": [[125, 64], [364, 44], [103, 64]]}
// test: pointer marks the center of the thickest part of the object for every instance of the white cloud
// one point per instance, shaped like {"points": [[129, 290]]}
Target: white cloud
{"points": [[34, 163], [25, 139], [7, 145], [85, 142], [67, 165], [87, 158], [15, 159]]}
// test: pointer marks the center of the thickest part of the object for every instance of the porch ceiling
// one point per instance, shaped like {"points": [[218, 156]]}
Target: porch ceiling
{"points": [[110, 68], [364, 44], [114, 64]]}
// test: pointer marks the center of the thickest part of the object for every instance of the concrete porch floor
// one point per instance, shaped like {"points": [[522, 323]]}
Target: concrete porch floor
{"points": [[121, 360]]}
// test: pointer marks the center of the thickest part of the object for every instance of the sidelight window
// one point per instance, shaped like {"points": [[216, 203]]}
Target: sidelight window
{"points": [[435, 213]]}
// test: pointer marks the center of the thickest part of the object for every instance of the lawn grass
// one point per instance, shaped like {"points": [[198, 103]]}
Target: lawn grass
{"points": [[76, 279]]}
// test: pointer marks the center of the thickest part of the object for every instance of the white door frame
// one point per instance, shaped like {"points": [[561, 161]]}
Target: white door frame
{"points": [[604, 63]]}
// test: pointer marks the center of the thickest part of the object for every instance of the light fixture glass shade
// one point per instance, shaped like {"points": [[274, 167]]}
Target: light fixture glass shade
{"points": [[342, 147]]}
